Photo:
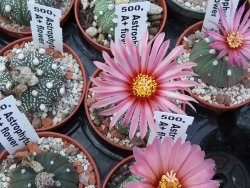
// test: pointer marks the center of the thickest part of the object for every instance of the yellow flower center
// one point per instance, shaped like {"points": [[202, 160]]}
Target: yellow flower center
{"points": [[235, 40], [144, 85], [169, 180]]}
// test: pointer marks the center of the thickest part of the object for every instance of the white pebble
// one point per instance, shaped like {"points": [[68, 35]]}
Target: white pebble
{"points": [[101, 12], [229, 72], [95, 17]]}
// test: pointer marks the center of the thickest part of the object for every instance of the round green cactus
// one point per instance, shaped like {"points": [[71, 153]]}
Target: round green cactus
{"points": [[213, 71], [41, 76], [104, 13], [56, 171], [17, 10]]}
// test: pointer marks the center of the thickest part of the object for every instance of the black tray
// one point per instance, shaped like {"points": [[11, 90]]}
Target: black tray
{"points": [[226, 138]]}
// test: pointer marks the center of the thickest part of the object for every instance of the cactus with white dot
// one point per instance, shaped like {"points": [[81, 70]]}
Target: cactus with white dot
{"points": [[214, 71], [54, 171], [17, 10], [35, 78], [104, 14]]}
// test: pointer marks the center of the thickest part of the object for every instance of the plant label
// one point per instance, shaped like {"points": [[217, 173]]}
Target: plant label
{"points": [[170, 125], [15, 129], [132, 19], [212, 13], [45, 26]]}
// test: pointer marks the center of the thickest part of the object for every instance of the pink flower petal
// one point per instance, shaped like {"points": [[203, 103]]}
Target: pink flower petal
{"points": [[135, 121], [110, 100], [123, 105], [161, 54], [138, 185], [200, 174], [108, 69], [171, 56]]}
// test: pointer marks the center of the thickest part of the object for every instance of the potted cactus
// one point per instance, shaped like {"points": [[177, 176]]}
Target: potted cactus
{"points": [[97, 22], [222, 59], [121, 98], [49, 85], [164, 164], [55, 161], [15, 16]]}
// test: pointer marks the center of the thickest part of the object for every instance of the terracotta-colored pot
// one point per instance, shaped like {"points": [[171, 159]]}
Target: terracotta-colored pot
{"points": [[120, 164], [78, 60], [4, 154], [217, 108], [100, 47], [27, 32], [95, 74]]}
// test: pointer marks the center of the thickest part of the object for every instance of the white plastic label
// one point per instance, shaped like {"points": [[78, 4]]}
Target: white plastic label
{"points": [[45, 26], [15, 129], [170, 125], [131, 18], [212, 13]]}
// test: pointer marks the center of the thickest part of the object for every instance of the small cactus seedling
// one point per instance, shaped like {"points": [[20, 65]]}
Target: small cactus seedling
{"points": [[213, 71], [104, 13], [17, 10], [54, 171], [35, 80]]}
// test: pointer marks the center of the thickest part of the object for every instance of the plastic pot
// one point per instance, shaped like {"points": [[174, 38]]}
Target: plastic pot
{"points": [[211, 106], [4, 154], [100, 47], [27, 31], [120, 164], [78, 60]]}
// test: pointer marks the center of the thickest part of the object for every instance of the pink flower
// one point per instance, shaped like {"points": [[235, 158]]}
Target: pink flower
{"points": [[172, 165], [233, 40], [140, 85]]}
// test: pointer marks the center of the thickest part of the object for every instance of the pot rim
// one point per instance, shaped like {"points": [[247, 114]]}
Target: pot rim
{"points": [[4, 153], [78, 60], [116, 167], [212, 106], [18, 34], [100, 47]]}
